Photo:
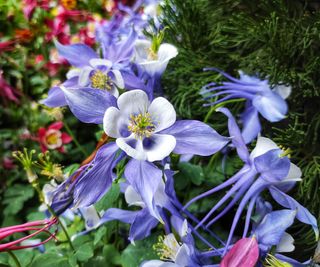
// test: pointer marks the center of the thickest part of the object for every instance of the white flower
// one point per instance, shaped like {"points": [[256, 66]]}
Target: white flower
{"points": [[99, 74], [151, 62], [137, 123], [170, 250], [263, 146]]}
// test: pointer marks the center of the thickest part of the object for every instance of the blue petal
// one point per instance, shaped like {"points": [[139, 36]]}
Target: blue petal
{"points": [[273, 226], [89, 105], [55, 98], [97, 178], [77, 55], [195, 137], [236, 135], [251, 124], [271, 166], [293, 262], [125, 216], [144, 178], [271, 106], [142, 225], [303, 215]]}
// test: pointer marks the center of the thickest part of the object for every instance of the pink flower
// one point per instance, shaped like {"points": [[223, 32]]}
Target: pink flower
{"points": [[7, 163], [8, 92], [36, 227], [244, 253], [53, 138], [6, 46]]}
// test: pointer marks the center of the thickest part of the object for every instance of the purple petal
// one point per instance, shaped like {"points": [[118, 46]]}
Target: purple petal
{"points": [[270, 231], [271, 166], [77, 55], [251, 124], [125, 216], [303, 215], [142, 225], [144, 178], [195, 137], [96, 180], [236, 135], [89, 105], [271, 106], [55, 98]]}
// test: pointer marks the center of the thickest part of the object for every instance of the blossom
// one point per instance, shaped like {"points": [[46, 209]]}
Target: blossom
{"points": [[261, 98], [266, 167], [149, 131], [244, 253], [153, 60], [52, 138]]}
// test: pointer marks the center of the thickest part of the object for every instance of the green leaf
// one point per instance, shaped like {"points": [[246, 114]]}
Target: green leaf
{"points": [[84, 252], [15, 197], [191, 172], [99, 235], [109, 199], [133, 255], [49, 260], [24, 256], [111, 254]]}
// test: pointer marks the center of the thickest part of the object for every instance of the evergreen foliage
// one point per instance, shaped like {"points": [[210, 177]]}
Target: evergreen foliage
{"points": [[278, 40]]}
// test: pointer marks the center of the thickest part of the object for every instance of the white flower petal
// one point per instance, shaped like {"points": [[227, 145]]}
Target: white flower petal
{"points": [[84, 77], [114, 91], [182, 257], [73, 73], [263, 145], [133, 102], [160, 197], [95, 62], [283, 90], [158, 263], [286, 243], [132, 147], [133, 198], [114, 122], [141, 50], [118, 79], [167, 52], [158, 146], [90, 216], [294, 173], [162, 113]]}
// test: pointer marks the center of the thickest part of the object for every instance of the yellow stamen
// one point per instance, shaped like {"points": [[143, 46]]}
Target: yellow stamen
{"points": [[69, 4], [272, 261], [167, 247], [286, 152], [101, 81], [141, 125]]}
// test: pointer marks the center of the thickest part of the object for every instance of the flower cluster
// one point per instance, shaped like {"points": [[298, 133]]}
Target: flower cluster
{"points": [[118, 87]]}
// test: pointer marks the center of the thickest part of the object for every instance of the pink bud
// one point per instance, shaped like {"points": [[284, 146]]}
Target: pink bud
{"points": [[244, 253]]}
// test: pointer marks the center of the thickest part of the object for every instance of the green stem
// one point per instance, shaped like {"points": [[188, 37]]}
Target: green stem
{"points": [[215, 107], [62, 227], [14, 257], [66, 126]]}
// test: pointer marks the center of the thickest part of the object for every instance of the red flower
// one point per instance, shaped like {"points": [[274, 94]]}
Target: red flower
{"points": [[53, 138], [7, 92], [36, 227], [6, 46], [23, 35], [7, 163]]}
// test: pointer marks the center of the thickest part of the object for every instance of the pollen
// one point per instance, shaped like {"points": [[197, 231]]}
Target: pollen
{"points": [[141, 125], [167, 247], [101, 81], [152, 55], [286, 152]]}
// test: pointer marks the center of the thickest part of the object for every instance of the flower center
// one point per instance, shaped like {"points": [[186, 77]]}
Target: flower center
{"points": [[52, 138], [152, 55], [167, 247], [286, 152], [141, 125], [101, 81]]}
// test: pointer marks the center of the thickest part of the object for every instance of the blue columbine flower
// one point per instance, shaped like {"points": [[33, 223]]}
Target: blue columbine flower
{"points": [[267, 167], [261, 98]]}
